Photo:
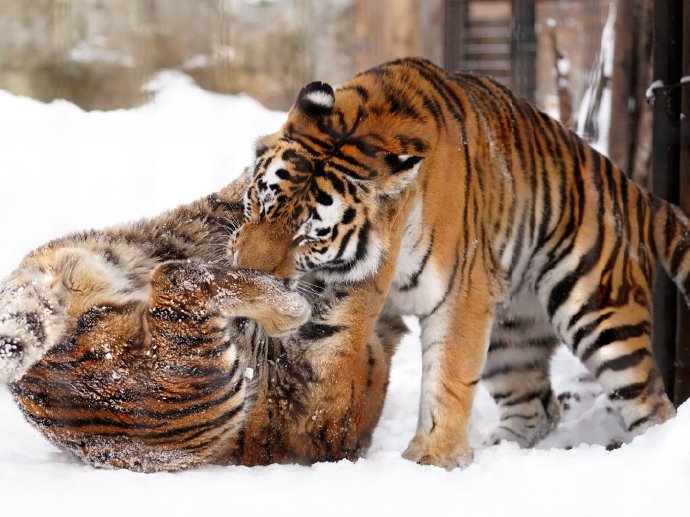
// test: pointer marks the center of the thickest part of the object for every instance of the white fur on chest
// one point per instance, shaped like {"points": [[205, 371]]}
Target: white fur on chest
{"points": [[428, 287]]}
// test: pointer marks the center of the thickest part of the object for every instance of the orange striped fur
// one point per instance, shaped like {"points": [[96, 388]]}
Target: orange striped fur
{"points": [[509, 235]]}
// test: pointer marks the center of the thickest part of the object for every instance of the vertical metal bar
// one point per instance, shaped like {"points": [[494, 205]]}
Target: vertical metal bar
{"points": [[665, 169], [682, 387], [524, 48], [455, 28]]}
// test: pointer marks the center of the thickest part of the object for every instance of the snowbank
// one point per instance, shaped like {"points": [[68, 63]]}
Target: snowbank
{"points": [[62, 169]]}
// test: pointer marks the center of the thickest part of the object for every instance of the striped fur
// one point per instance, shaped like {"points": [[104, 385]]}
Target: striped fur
{"points": [[136, 347], [500, 229]]}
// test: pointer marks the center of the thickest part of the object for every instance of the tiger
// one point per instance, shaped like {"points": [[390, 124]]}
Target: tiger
{"points": [[514, 235], [138, 347]]}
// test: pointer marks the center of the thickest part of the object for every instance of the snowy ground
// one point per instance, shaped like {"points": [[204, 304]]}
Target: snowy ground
{"points": [[62, 169]]}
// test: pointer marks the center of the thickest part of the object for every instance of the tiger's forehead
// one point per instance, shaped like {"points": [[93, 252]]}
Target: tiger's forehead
{"points": [[289, 177], [292, 186]]}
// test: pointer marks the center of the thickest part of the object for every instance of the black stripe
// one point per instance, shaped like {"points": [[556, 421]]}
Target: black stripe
{"points": [[500, 395], [314, 331], [344, 242], [639, 422], [414, 279], [624, 362], [514, 368], [629, 392], [519, 416], [526, 397], [646, 418], [586, 330], [615, 335]]}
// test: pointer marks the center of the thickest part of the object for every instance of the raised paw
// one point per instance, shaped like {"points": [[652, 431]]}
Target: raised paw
{"points": [[265, 299], [421, 450], [236, 293], [285, 314]]}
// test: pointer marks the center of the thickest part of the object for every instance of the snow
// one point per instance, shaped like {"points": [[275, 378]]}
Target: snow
{"points": [[97, 51], [649, 93], [64, 169], [603, 71], [564, 66]]}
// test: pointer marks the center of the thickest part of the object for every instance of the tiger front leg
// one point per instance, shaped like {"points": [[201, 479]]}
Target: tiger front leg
{"points": [[454, 344]]}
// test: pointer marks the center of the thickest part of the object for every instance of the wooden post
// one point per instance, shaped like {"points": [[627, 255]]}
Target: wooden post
{"points": [[455, 28], [524, 48], [623, 85], [386, 29], [682, 387], [665, 170], [431, 19], [641, 166]]}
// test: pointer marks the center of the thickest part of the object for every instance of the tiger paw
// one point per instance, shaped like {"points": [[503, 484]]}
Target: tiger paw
{"points": [[265, 299], [420, 450], [31, 321], [285, 317], [11, 354], [525, 435]]}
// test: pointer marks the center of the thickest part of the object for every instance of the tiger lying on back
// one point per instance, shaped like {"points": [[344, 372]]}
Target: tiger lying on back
{"points": [[134, 348], [516, 235]]}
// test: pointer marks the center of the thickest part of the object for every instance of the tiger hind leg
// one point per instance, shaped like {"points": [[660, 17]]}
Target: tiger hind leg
{"points": [[612, 338], [517, 373]]}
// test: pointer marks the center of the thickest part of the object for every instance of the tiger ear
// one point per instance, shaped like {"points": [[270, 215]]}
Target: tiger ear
{"points": [[315, 99], [402, 170]]}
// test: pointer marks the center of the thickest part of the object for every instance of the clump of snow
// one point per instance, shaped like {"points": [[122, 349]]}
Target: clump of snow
{"points": [[563, 65], [97, 51], [649, 93], [65, 169], [602, 72]]}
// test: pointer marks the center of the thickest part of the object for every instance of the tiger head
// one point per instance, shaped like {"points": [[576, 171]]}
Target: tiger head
{"points": [[323, 186]]}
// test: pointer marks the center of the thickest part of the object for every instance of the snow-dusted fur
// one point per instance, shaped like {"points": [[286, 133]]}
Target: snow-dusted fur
{"points": [[138, 347]]}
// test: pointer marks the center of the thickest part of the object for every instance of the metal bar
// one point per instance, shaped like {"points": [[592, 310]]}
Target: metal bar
{"points": [[682, 386], [665, 169], [524, 48]]}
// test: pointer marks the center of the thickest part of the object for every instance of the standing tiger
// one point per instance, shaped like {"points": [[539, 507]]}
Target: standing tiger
{"points": [[514, 235], [136, 348]]}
